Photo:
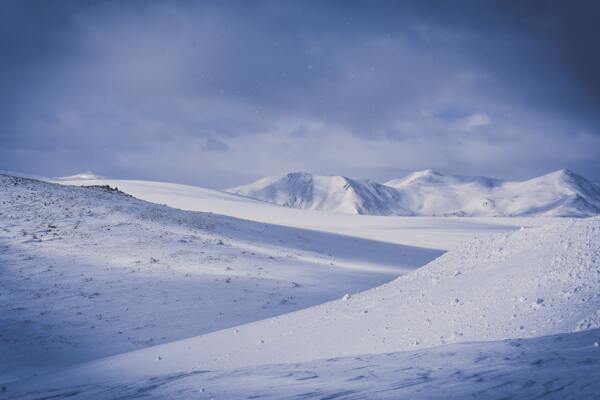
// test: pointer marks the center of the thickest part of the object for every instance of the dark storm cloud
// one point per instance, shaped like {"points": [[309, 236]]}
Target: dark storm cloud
{"points": [[219, 92]]}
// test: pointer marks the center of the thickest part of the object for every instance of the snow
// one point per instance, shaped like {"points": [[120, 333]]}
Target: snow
{"points": [[90, 272], [493, 298], [558, 366], [80, 176], [430, 193], [560, 194], [326, 193], [105, 295], [437, 233]]}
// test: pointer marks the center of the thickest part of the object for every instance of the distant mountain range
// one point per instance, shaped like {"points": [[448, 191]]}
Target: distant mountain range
{"points": [[430, 193], [83, 176]]}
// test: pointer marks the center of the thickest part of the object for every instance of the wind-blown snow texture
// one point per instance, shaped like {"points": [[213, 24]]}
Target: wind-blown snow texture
{"points": [[429, 193], [553, 367]]}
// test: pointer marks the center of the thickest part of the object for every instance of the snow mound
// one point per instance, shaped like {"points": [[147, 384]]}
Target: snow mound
{"points": [[82, 176], [533, 282], [327, 193], [430, 193]]}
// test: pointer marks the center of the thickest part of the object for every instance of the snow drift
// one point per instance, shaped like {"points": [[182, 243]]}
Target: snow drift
{"points": [[533, 282], [429, 193]]}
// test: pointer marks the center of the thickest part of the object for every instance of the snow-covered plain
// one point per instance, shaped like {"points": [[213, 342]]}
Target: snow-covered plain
{"points": [[92, 272]]}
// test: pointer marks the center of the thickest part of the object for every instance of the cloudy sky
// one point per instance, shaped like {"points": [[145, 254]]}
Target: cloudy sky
{"points": [[220, 93]]}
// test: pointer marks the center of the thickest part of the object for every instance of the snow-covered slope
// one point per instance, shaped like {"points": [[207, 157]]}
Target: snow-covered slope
{"points": [[552, 367], [429, 193], [90, 272], [432, 193], [327, 193], [533, 282], [559, 194]]}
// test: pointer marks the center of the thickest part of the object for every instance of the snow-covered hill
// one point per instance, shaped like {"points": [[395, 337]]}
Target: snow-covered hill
{"points": [[530, 283], [327, 193], [91, 272], [559, 194], [429, 193], [533, 282]]}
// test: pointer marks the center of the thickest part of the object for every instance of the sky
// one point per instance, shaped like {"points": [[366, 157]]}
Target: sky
{"points": [[221, 93]]}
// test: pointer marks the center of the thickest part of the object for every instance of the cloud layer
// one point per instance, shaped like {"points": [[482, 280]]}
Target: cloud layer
{"points": [[223, 92]]}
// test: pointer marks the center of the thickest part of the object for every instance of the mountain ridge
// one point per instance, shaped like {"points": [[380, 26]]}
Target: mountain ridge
{"points": [[561, 193], [327, 193]]}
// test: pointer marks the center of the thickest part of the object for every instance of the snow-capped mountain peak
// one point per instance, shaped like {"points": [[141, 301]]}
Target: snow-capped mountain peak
{"points": [[560, 193], [417, 176], [569, 178], [80, 176], [328, 193], [431, 193], [429, 176]]}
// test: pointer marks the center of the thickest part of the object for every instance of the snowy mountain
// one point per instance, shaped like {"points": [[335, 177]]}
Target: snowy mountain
{"points": [[80, 176], [558, 194], [429, 193], [327, 193]]}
